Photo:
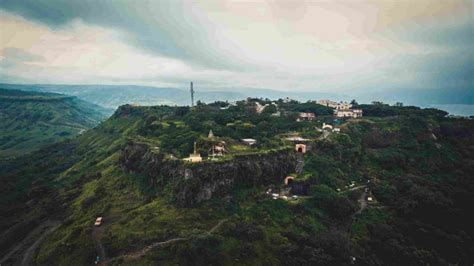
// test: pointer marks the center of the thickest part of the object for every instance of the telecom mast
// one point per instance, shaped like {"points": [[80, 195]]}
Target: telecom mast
{"points": [[192, 95]]}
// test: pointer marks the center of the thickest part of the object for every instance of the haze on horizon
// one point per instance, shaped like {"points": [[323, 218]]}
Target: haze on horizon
{"points": [[359, 45]]}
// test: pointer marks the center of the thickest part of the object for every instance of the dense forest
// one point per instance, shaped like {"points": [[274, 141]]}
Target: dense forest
{"points": [[415, 164]]}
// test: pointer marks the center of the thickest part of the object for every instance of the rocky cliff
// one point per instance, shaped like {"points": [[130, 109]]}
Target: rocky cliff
{"points": [[194, 183]]}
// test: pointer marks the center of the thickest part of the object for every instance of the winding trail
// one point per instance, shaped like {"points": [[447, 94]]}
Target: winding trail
{"points": [[97, 236], [24, 251], [145, 250], [362, 206], [362, 203], [30, 252], [324, 135]]}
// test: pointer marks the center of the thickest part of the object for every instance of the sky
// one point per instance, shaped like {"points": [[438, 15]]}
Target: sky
{"points": [[327, 46]]}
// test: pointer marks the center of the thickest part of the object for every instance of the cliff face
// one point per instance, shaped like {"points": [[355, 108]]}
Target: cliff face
{"points": [[194, 183]]}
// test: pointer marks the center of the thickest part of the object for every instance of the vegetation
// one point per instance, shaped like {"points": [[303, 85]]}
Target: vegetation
{"points": [[31, 120], [419, 164]]}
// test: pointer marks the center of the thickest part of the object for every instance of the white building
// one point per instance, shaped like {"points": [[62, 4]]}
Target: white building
{"points": [[354, 113], [327, 126], [335, 105], [249, 142], [194, 157], [306, 117]]}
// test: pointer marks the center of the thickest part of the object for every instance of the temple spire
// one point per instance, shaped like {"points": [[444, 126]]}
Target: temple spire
{"points": [[210, 135]]}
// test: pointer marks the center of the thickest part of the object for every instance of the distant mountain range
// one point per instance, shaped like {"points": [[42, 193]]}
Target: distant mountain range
{"points": [[31, 120], [112, 96]]}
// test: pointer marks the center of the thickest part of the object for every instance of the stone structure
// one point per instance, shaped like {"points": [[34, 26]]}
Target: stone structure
{"points": [[300, 148], [194, 183], [194, 157]]}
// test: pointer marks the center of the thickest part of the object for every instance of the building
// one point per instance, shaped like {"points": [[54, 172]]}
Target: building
{"points": [[354, 113], [249, 142], [336, 129], [335, 105], [306, 117], [218, 149], [327, 126], [276, 114], [194, 157], [300, 148]]}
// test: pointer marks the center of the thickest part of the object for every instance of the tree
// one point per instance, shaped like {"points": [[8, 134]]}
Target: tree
{"points": [[181, 111]]}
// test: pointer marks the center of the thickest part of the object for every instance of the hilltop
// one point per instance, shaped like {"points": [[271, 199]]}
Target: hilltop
{"points": [[391, 187], [112, 96], [31, 120]]}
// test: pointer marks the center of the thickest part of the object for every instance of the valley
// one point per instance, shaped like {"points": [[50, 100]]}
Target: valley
{"points": [[31, 120]]}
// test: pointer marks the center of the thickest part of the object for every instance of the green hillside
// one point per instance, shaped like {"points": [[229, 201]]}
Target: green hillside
{"points": [[30, 120], [414, 164]]}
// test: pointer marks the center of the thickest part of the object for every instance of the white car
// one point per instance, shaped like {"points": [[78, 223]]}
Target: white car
{"points": [[98, 221]]}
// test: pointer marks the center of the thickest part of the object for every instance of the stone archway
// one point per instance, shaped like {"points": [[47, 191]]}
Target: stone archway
{"points": [[289, 180], [300, 148]]}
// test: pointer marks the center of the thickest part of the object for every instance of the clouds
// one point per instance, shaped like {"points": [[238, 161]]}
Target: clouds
{"points": [[326, 46], [19, 55]]}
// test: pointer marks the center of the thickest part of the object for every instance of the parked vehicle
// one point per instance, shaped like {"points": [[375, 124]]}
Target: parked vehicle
{"points": [[98, 221]]}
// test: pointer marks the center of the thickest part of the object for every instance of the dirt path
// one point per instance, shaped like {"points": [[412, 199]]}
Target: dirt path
{"points": [[352, 189], [324, 135], [145, 250], [362, 203], [97, 236], [299, 163], [362, 206], [24, 251], [30, 252]]}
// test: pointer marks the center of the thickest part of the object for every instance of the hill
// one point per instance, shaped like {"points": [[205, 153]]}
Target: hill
{"points": [[112, 96], [393, 187], [30, 120]]}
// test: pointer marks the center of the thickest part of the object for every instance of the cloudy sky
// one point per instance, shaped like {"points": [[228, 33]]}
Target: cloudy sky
{"points": [[331, 46]]}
